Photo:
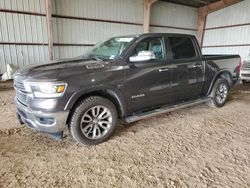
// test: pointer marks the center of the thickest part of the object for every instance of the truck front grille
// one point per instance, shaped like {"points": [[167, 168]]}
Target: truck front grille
{"points": [[246, 65], [21, 93], [245, 75]]}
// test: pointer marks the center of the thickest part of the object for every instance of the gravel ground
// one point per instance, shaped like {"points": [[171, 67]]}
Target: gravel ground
{"points": [[194, 147]]}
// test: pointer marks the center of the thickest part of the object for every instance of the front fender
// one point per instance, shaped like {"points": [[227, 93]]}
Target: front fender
{"points": [[105, 91]]}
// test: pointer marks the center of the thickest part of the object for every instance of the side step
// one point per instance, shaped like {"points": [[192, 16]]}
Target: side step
{"points": [[164, 109]]}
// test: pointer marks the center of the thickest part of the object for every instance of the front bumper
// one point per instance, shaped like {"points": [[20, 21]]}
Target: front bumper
{"points": [[49, 122], [245, 74]]}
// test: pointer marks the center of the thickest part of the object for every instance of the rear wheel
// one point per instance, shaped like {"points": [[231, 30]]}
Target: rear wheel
{"points": [[219, 93], [93, 120], [244, 81]]}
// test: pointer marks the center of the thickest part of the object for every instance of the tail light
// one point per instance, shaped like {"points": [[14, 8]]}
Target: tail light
{"points": [[239, 66]]}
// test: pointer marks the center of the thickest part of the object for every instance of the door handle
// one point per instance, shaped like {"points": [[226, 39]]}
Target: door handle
{"points": [[197, 66], [163, 70]]}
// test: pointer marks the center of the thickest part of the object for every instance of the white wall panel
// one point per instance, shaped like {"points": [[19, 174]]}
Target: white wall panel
{"points": [[170, 14], [119, 10], [77, 31], [23, 28], [20, 29], [21, 55], [69, 51], [231, 36], [88, 32], [235, 14], [37, 6], [227, 36]]}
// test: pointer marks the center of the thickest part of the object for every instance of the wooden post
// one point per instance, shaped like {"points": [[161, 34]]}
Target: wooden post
{"points": [[202, 16], [49, 28], [147, 10], [204, 11]]}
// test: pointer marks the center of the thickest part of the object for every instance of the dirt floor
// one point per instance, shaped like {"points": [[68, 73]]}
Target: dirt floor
{"points": [[194, 147]]}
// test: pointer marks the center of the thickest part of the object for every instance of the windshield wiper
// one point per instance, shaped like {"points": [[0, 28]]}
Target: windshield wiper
{"points": [[95, 58], [100, 57]]}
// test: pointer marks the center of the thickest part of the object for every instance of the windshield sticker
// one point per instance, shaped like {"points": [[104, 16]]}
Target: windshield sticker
{"points": [[112, 57], [124, 39]]}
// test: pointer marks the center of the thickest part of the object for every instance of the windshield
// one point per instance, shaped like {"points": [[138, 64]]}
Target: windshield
{"points": [[110, 49]]}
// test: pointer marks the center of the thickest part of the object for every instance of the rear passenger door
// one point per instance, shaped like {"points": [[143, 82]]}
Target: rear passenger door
{"points": [[188, 69]]}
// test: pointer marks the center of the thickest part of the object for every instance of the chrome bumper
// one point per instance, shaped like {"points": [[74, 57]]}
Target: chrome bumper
{"points": [[49, 122], [245, 74]]}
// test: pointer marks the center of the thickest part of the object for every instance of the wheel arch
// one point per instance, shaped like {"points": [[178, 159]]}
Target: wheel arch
{"points": [[111, 94], [225, 74]]}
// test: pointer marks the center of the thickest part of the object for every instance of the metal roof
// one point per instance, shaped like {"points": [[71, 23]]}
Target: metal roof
{"points": [[192, 3]]}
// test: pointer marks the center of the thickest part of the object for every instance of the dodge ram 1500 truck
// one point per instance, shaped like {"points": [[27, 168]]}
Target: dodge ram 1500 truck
{"points": [[125, 78]]}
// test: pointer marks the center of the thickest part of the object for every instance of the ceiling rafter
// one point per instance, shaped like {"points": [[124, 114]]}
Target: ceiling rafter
{"points": [[192, 3]]}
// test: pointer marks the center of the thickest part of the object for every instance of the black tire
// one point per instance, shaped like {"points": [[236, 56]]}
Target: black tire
{"points": [[244, 81], [85, 109], [216, 95]]}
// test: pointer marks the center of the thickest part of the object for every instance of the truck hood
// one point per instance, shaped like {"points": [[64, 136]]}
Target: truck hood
{"points": [[49, 71]]}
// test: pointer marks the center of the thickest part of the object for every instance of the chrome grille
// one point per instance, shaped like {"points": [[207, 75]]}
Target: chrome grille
{"points": [[21, 93], [19, 84], [245, 75], [246, 65]]}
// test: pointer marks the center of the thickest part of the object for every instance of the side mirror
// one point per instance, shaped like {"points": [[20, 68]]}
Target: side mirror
{"points": [[142, 56]]}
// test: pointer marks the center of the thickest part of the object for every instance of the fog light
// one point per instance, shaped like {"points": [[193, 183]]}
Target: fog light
{"points": [[46, 121]]}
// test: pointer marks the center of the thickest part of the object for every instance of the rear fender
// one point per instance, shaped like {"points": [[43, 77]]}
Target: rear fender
{"points": [[225, 74]]}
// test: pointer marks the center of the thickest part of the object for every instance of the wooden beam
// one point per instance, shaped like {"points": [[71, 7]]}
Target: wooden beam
{"points": [[202, 17], [220, 5], [205, 10], [49, 28], [200, 1], [147, 10]]}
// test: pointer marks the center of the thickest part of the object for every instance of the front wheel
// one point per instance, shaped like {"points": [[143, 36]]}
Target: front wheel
{"points": [[219, 93], [93, 121]]}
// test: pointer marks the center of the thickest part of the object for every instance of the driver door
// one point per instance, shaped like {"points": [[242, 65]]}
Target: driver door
{"points": [[148, 82]]}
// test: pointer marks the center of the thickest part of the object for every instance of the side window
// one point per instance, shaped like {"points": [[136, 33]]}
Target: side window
{"points": [[152, 44], [182, 47]]}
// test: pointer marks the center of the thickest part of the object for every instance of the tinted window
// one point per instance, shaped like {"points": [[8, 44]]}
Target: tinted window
{"points": [[182, 47], [152, 44]]}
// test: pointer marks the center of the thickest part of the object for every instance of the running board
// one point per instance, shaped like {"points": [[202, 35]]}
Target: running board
{"points": [[164, 110]]}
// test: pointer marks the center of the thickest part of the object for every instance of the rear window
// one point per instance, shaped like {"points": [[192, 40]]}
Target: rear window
{"points": [[182, 48]]}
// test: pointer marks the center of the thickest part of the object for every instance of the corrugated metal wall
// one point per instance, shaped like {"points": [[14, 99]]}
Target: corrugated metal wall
{"points": [[78, 24], [22, 32], [228, 31], [169, 17], [86, 22]]}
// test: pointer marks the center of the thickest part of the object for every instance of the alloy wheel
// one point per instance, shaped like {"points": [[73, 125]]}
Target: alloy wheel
{"points": [[96, 122], [221, 93]]}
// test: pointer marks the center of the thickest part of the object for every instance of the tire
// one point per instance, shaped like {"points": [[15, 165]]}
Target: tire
{"points": [[93, 121], [219, 93], [244, 81]]}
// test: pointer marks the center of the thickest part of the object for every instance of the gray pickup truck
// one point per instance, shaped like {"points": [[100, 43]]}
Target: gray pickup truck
{"points": [[126, 78]]}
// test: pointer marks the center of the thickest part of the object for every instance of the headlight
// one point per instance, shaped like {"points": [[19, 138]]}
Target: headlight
{"points": [[47, 89]]}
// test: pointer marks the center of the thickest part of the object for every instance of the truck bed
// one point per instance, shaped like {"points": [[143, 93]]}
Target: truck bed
{"points": [[229, 62]]}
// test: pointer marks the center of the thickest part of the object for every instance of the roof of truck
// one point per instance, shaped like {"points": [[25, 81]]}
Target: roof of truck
{"points": [[157, 34]]}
